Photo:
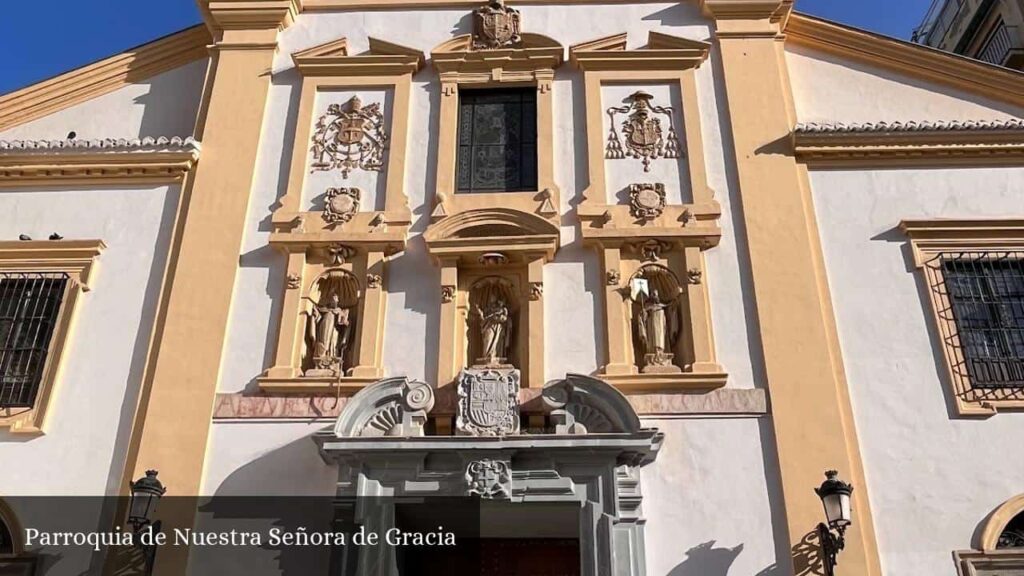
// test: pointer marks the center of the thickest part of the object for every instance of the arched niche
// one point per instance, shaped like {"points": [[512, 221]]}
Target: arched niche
{"points": [[330, 339], [488, 296], [654, 289], [11, 544], [477, 246]]}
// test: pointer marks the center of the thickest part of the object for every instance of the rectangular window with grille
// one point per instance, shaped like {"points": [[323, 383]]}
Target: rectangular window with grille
{"points": [[986, 293], [30, 304], [497, 140]]}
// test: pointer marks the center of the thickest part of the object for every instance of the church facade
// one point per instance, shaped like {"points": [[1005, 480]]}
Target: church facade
{"points": [[632, 275]]}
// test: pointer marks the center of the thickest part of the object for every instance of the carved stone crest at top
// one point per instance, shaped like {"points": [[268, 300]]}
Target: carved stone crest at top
{"points": [[488, 402], [340, 205], [646, 201], [490, 479], [350, 136], [645, 138], [496, 26]]}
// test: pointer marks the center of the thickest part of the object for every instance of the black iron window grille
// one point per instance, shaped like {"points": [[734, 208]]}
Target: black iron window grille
{"points": [[497, 140], [30, 304], [986, 296], [1012, 535]]}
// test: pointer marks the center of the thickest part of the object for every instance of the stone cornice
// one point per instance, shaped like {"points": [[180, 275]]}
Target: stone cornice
{"points": [[663, 52], [91, 162], [103, 77], [383, 59], [249, 14], [910, 143], [774, 10], [971, 75], [910, 127]]}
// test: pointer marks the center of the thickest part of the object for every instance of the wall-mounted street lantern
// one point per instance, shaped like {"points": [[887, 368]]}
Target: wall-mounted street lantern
{"points": [[145, 493], [835, 497]]}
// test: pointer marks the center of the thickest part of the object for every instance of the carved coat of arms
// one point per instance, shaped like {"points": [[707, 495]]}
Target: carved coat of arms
{"points": [[496, 26], [340, 205], [350, 136], [488, 402], [644, 136], [490, 479]]}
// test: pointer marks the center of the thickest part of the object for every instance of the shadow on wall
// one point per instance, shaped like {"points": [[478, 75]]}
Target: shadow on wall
{"points": [[707, 560], [301, 488], [171, 106]]}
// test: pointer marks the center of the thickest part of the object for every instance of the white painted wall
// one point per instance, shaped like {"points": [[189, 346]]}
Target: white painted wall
{"points": [[164, 105], [932, 477], [93, 404], [91, 411], [706, 500], [829, 88]]}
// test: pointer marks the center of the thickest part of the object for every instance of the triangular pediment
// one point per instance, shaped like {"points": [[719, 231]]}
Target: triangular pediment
{"points": [[662, 52], [382, 59], [534, 52]]}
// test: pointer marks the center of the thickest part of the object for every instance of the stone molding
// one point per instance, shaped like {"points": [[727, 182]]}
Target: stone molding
{"points": [[91, 162], [305, 405], [909, 126], [968, 74], [935, 143]]}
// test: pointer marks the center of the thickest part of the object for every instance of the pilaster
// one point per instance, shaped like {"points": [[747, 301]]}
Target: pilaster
{"points": [[176, 405], [811, 412]]}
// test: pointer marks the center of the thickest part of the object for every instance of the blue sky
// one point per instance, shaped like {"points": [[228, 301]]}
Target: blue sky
{"points": [[78, 32]]}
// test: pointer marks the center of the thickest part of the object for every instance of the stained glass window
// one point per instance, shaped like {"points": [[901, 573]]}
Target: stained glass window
{"points": [[497, 140]]}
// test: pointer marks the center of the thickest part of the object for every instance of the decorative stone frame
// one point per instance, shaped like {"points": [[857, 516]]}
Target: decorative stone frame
{"points": [[373, 236], [681, 232], [532, 64], [77, 259], [18, 557], [591, 458], [930, 239], [986, 556], [457, 242]]}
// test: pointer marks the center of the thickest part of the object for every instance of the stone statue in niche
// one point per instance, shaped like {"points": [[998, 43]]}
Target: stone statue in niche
{"points": [[330, 325], [655, 320], [645, 138], [495, 328], [350, 136], [496, 26]]}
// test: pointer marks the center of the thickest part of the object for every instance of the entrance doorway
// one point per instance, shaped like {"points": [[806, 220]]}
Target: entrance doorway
{"points": [[493, 539]]}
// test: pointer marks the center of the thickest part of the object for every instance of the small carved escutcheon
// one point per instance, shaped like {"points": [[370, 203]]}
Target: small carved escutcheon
{"points": [[646, 201], [340, 205], [490, 479], [496, 26]]}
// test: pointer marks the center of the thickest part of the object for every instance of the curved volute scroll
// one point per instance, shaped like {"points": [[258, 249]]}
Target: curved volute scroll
{"points": [[390, 407], [587, 405]]}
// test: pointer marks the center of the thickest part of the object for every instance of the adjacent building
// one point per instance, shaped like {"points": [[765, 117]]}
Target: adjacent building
{"points": [[632, 276], [989, 30]]}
